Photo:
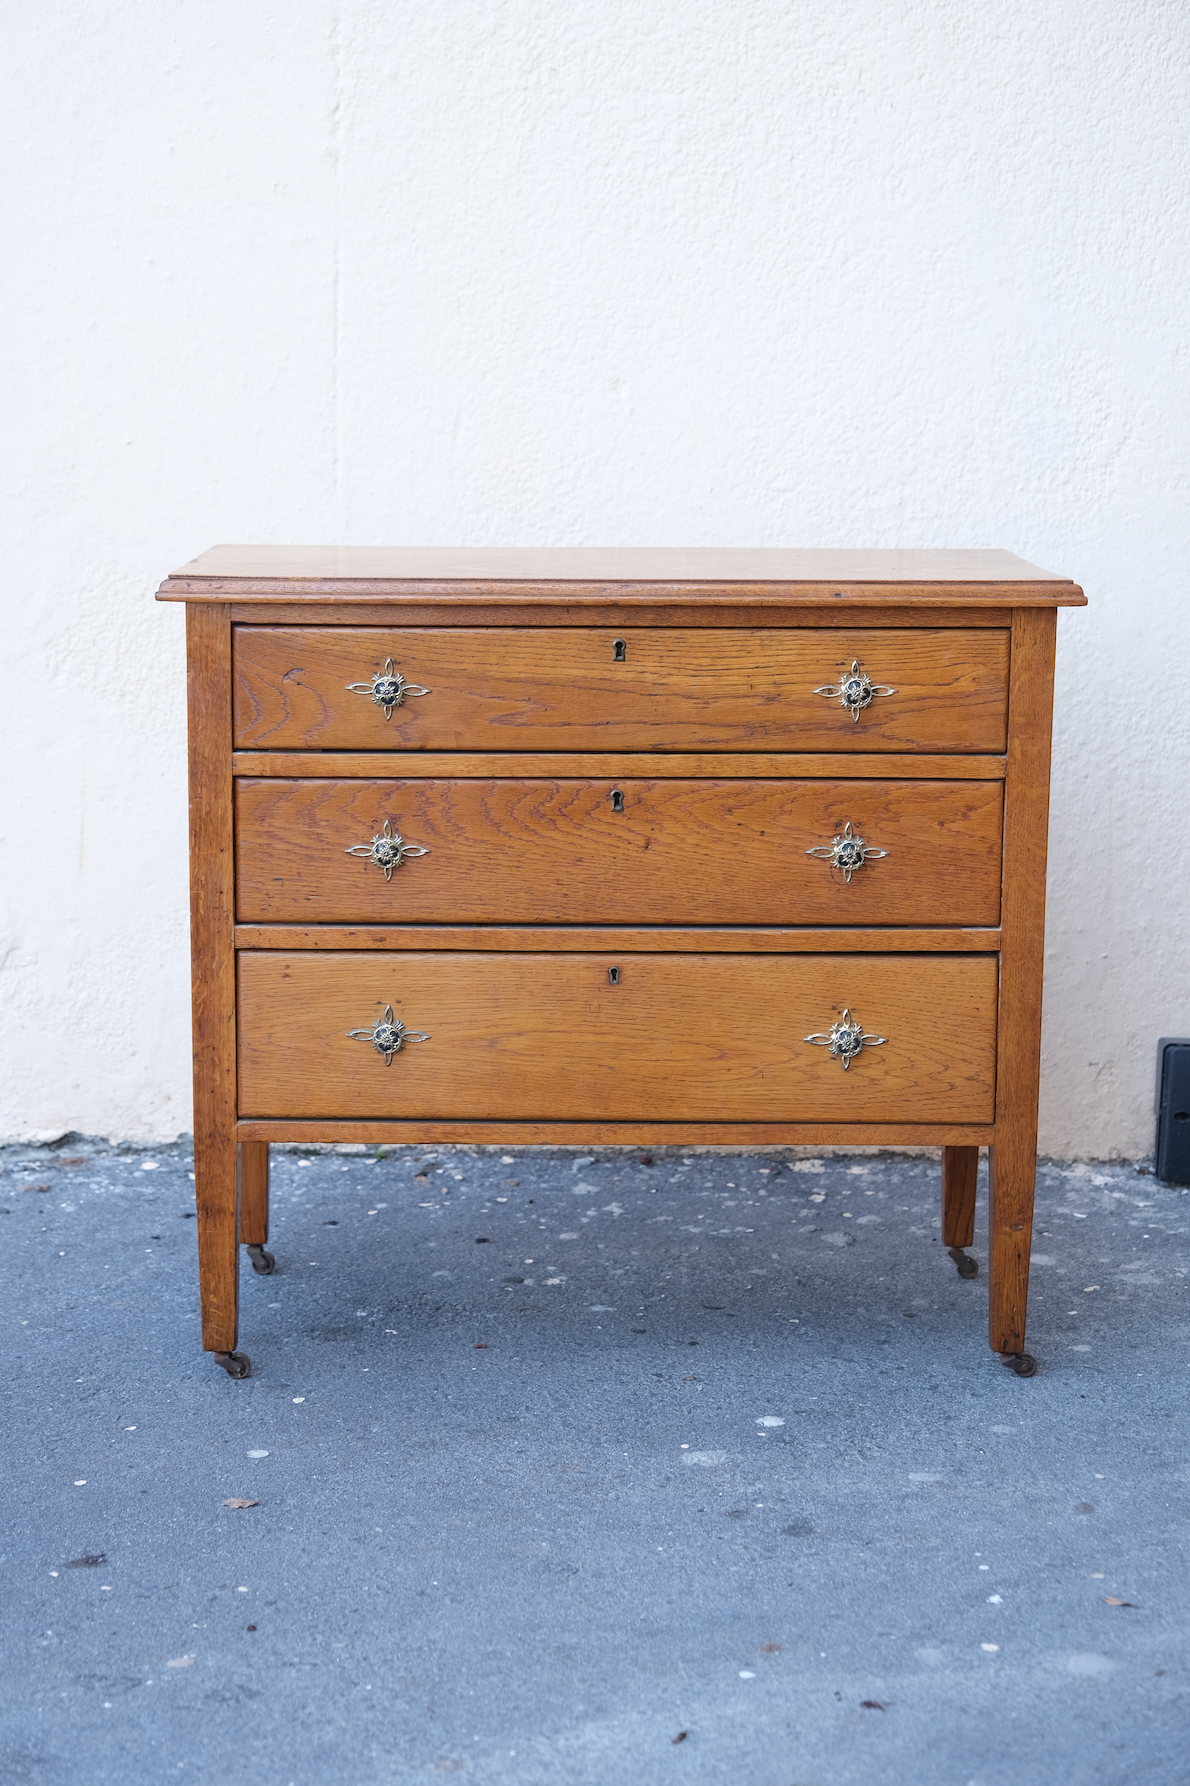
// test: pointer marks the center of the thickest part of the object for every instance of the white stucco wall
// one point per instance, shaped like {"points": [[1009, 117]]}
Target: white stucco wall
{"points": [[612, 271]]}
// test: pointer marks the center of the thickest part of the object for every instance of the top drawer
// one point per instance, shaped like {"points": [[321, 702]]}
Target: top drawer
{"points": [[587, 688]]}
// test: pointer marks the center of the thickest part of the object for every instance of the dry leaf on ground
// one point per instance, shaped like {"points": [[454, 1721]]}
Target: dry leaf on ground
{"points": [[235, 1501]]}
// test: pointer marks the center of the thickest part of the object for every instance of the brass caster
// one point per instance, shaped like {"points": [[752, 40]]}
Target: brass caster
{"points": [[1023, 1363], [236, 1364], [965, 1265], [262, 1262]]}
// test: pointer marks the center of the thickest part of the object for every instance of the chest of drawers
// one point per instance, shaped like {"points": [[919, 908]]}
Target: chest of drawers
{"points": [[523, 847]]}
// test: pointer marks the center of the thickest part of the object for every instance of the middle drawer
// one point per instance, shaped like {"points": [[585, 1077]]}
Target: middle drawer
{"points": [[571, 851]]}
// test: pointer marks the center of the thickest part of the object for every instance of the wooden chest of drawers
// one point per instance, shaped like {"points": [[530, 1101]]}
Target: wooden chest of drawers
{"points": [[524, 847]]}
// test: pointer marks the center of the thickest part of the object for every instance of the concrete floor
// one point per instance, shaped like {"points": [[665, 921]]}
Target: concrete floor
{"points": [[587, 1470]]}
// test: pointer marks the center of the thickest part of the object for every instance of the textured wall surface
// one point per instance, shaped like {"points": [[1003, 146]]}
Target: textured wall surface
{"points": [[623, 272]]}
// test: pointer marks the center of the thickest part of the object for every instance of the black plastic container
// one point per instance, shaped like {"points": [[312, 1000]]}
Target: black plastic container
{"points": [[1173, 1109]]}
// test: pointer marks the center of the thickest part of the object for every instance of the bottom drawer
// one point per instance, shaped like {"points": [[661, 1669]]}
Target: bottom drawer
{"points": [[670, 1037]]}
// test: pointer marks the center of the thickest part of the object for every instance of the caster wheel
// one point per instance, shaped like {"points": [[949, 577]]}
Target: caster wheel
{"points": [[965, 1265], [1023, 1363], [262, 1262], [236, 1364]]}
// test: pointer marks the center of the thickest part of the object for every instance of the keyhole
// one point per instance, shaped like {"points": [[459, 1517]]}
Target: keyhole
{"points": [[617, 800], [619, 650], [613, 974]]}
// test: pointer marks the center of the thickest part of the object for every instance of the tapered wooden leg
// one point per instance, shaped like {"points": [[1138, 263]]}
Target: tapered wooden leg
{"points": [[1012, 1173], [218, 1250], [254, 1192], [960, 1169]]}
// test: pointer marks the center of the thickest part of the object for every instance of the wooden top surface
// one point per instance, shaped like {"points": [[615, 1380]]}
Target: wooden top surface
{"points": [[385, 573]]}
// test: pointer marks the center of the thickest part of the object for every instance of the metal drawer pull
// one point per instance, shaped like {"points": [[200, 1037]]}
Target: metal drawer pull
{"points": [[855, 691], [846, 1039], [388, 850], [847, 852], [388, 1035], [387, 688]]}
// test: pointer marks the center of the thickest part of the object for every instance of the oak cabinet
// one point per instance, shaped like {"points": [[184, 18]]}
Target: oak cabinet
{"points": [[524, 847]]}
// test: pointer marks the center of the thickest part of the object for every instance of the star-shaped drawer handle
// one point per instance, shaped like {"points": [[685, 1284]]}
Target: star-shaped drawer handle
{"points": [[855, 691], [388, 688], [846, 851], [387, 849], [846, 1040], [388, 1035]]}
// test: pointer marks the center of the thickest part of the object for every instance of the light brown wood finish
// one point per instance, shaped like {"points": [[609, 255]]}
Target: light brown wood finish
{"points": [[548, 1037], [1013, 1165], [457, 765], [212, 915], [559, 688], [731, 610], [960, 1172], [662, 565], [423, 1133], [737, 939], [619, 851], [254, 1193], [699, 1044]]}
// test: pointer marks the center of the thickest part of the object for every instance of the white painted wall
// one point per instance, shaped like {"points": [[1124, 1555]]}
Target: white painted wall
{"points": [[717, 272]]}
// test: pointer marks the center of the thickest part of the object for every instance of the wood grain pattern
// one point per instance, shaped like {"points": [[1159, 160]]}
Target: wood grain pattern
{"points": [[597, 939], [960, 1173], [560, 689], [1013, 1163], [599, 564], [254, 1193], [212, 915], [557, 851], [548, 1037], [425, 1133], [457, 765]]}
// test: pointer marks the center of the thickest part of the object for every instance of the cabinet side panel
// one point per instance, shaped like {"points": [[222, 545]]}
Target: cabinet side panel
{"points": [[1022, 960], [212, 911]]}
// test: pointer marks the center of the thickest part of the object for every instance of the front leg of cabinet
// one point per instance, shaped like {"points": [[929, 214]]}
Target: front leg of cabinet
{"points": [[1012, 1172], [215, 1196]]}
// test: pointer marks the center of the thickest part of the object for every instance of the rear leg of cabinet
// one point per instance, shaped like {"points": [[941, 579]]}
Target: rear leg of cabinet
{"points": [[254, 1205], [960, 1170]]}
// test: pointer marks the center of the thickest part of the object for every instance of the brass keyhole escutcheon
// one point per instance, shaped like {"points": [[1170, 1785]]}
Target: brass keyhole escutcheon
{"points": [[613, 976], [617, 799], [619, 650]]}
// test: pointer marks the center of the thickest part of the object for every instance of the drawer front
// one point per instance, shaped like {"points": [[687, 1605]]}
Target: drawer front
{"points": [[677, 1037], [564, 688], [628, 851]]}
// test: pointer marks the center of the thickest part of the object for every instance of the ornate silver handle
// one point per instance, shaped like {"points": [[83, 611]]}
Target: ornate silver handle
{"points": [[847, 852], [388, 850], [388, 1035], [855, 691], [846, 1040], [387, 688]]}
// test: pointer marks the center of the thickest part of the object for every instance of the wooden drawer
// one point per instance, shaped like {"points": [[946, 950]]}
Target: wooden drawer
{"points": [[678, 1037], [562, 688], [559, 851]]}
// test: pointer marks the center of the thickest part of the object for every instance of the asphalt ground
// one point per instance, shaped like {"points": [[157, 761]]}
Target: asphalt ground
{"points": [[585, 1469]]}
